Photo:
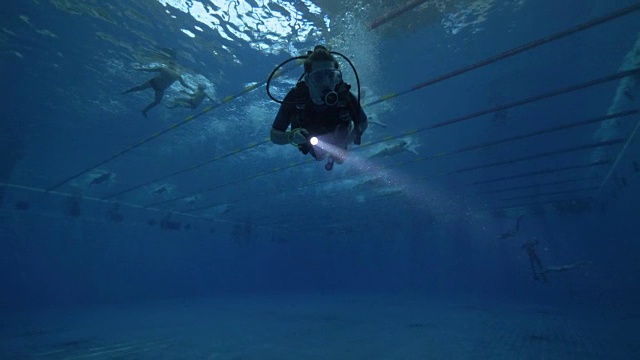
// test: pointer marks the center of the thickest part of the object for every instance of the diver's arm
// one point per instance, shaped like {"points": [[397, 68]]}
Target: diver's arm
{"points": [[360, 122], [280, 137], [363, 123], [279, 133], [360, 126]]}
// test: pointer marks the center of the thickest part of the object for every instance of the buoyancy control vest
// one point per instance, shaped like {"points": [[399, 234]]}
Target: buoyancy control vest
{"points": [[321, 120]]}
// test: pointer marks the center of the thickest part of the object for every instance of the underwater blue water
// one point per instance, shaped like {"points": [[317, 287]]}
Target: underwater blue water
{"points": [[188, 235]]}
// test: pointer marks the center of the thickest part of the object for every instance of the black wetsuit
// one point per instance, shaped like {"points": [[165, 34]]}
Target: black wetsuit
{"points": [[332, 123]]}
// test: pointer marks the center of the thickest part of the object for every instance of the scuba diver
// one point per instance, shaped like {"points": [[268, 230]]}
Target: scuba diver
{"points": [[395, 149], [101, 178], [323, 114], [539, 271], [167, 75], [192, 100], [536, 265], [160, 190]]}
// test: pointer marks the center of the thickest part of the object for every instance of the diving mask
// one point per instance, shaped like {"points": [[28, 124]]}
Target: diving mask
{"points": [[328, 78]]}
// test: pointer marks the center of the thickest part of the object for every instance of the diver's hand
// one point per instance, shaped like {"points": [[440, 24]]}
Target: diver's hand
{"points": [[298, 136]]}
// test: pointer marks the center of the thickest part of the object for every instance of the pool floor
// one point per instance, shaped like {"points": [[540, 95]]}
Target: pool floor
{"points": [[319, 327]]}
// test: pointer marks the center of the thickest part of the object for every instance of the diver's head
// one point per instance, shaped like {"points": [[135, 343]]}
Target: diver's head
{"points": [[321, 76], [201, 86]]}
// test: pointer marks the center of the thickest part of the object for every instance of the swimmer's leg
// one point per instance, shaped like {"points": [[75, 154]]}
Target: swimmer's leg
{"points": [[158, 99], [533, 269], [144, 86], [543, 275]]}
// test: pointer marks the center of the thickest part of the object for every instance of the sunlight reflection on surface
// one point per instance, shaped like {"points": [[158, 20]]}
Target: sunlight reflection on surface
{"points": [[243, 22]]}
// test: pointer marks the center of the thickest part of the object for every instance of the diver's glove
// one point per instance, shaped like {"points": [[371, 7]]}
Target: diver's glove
{"points": [[298, 136]]}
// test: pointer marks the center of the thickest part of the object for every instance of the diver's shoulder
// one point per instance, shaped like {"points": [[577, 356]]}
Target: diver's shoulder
{"points": [[297, 92]]}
